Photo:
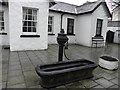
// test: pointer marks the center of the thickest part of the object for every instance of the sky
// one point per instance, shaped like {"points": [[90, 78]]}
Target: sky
{"points": [[80, 2], [76, 2]]}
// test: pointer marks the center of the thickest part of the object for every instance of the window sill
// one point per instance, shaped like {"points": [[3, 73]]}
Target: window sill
{"points": [[2, 33], [70, 34], [29, 36], [98, 36], [51, 34]]}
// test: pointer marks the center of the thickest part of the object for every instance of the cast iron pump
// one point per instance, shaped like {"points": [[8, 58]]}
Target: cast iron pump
{"points": [[61, 39]]}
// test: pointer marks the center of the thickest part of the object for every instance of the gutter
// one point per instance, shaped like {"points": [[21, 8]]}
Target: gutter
{"points": [[61, 29]]}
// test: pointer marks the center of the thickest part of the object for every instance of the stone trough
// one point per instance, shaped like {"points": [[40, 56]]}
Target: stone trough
{"points": [[53, 75], [108, 62]]}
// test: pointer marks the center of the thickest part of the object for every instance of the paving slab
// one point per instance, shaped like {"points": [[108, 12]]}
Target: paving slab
{"points": [[115, 86], [12, 63], [97, 87], [75, 85], [89, 83], [31, 78], [15, 67], [18, 68], [105, 83], [4, 84], [15, 80], [4, 78], [0, 86], [107, 76], [15, 73], [28, 68], [115, 81], [17, 86]]}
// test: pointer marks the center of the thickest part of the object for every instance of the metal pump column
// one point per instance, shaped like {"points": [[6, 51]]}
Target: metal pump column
{"points": [[61, 39]]}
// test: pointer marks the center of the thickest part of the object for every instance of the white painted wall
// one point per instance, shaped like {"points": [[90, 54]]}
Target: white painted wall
{"points": [[15, 27], [4, 39], [86, 26], [116, 14], [52, 39], [99, 13], [113, 28], [83, 29], [117, 37]]}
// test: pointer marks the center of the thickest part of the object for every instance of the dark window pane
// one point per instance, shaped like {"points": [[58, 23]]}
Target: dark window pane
{"points": [[3, 24], [1, 13], [29, 11], [24, 29], [34, 18], [0, 24], [29, 29], [29, 17], [25, 11], [2, 27], [34, 12], [26, 17], [70, 26], [34, 24], [99, 27], [29, 23], [1, 18], [34, 29], [49, 28], [25, 23], [50, 18], [50, 23]]}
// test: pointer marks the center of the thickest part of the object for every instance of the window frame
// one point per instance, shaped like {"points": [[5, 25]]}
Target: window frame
{"points": [[2, 21], [33, 21], [69, 20], [99, 26], [52, 31]]}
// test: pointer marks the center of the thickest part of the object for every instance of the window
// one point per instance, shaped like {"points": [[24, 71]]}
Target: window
{"points": [[29, 20], [70, 26], [50, 24], [99, 27], [1, 21]]}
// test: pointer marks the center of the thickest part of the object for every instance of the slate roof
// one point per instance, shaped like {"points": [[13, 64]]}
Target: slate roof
{"points": [[87, 7], [64, 7]]}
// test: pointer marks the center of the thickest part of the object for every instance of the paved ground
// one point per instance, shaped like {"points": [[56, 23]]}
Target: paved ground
{"points": [[18, 68]]}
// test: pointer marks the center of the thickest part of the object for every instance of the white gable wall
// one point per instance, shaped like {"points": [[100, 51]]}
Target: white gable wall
{"points": [[83, 29], [52, 39], [99, 13], [15, 14], [4, 39], [116, 14], [86, 26]]}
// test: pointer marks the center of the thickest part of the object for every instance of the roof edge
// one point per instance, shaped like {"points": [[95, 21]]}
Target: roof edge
{"points": [[62, 12], [101, 2]]}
